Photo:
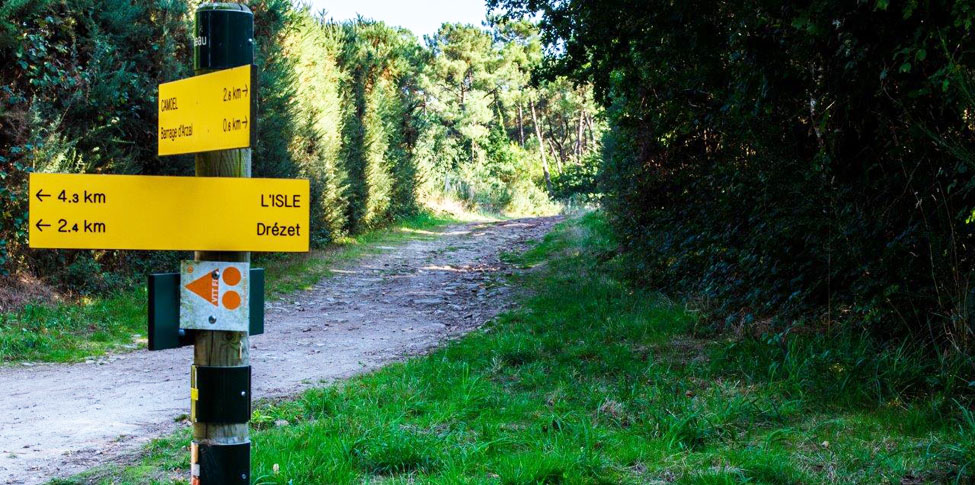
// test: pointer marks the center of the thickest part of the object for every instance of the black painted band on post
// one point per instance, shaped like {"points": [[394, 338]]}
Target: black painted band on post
{"points": [[223, 464], [224, 37], [220, 394]]}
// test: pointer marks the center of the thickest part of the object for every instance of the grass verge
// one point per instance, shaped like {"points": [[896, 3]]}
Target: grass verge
{"points": [[93, 326], [589, 381]]}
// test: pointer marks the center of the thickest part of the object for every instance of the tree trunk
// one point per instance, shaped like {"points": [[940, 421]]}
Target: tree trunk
{"points": [[541, 147], [521, 125], [592, 131], [580, 133], [555, 155], [558, 146]]}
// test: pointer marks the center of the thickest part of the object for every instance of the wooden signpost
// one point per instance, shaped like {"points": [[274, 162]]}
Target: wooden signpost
{"points": [[216, 299], [221, 374]]}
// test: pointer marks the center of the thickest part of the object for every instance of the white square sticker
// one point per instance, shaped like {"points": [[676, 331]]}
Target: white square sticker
{"points": [[214, 296]]}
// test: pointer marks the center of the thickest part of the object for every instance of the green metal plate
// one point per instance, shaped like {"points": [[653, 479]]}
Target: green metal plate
{"points": [[164, 331], [257, 301]]}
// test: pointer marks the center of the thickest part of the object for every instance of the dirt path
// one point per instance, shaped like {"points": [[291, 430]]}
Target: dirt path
{"points": [[57, 420]]}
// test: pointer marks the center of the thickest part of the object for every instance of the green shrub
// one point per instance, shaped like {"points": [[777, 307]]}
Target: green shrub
{"points": [[788, 162]]}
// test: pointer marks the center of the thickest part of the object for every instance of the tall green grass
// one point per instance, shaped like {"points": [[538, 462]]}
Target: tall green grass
{"points": [[849, 369], [66, 332], [593, 381]]}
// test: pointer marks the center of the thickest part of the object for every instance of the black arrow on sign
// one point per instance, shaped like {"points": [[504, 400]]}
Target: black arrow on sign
{"points": [[40, 226], [41, 195]]}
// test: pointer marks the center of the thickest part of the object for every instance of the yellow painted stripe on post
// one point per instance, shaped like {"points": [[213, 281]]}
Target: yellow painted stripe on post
{"points": [[206, 113], [69, 211]]}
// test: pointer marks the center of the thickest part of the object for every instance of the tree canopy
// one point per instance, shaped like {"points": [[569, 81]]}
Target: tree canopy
{"points": [[379, 121]]}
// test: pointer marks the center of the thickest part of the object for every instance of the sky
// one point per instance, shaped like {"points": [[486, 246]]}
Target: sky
{"points": [[423, 17]]}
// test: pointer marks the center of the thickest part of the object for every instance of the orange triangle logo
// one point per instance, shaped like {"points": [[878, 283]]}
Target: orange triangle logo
{"points": [[207, 288]]}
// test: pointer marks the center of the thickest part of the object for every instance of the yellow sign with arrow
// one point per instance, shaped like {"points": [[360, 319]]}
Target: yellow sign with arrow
{"points": [[207, 113], [69, 211]]}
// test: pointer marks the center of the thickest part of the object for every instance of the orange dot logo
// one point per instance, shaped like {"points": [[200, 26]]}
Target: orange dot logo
{"points": [[231, 300], [231, 276]]}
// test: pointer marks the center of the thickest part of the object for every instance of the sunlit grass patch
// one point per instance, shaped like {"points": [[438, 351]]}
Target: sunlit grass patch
{"points": [[72, 331]]}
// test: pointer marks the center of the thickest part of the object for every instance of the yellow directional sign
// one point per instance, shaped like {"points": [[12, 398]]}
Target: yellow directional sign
{"points": [[206, 113], [168, 213]]}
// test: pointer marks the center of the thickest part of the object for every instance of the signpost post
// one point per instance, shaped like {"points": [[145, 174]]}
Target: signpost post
{"points": [[221, 443]]}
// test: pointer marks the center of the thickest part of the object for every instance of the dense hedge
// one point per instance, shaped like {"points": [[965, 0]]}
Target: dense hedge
{"points": [[788, 161], [77, 94], [379, 122]]}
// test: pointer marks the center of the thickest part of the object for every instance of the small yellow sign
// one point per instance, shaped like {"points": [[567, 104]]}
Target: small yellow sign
{"points": [[206, 113], [69, 211]]}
